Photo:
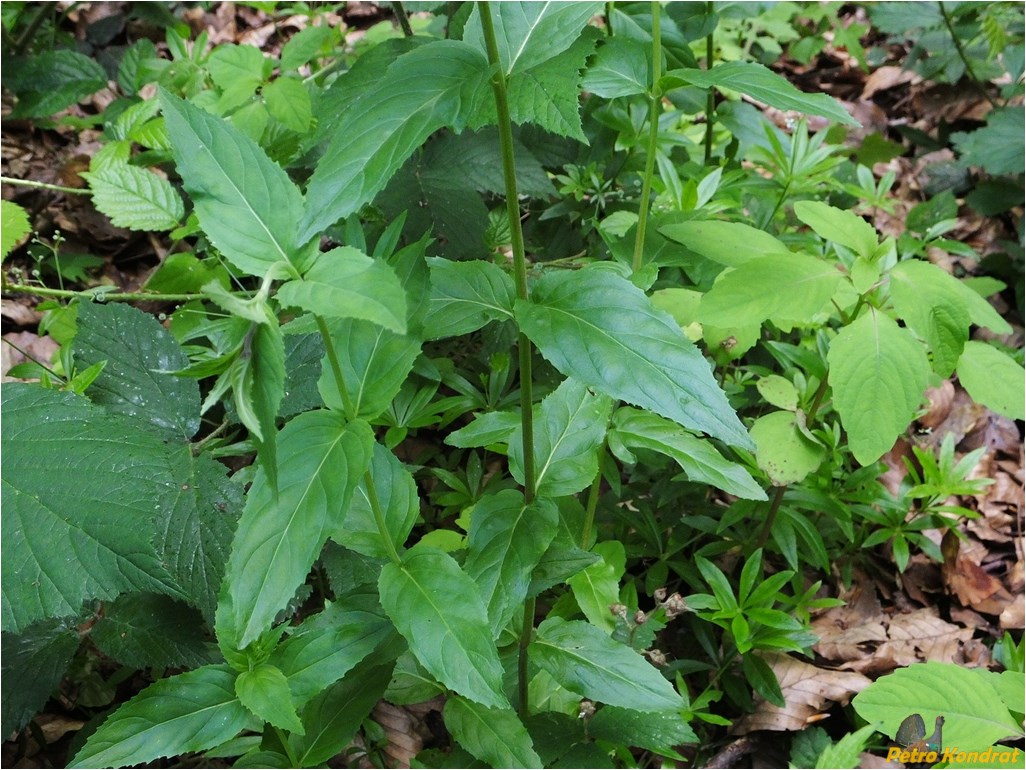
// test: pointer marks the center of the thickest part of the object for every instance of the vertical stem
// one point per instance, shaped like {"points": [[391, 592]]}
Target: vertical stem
{"points": [[593, 497], [655, 101], [962, 54], [778, 498], [336, 367], [402, 18], [710, 97], [609, 19]]}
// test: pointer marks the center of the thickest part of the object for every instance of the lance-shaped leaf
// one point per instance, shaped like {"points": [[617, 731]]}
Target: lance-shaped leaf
{"points": [[993, 379], [189, 712], [593, 325], [597, 587], [465, 296], [437, 607], [727, 243], [246, 204], [588, 662], [135, 198], [495, 736], [34, 663], [258, 387], [839, 226], [620, 68], [658, 732], [878, 372], [507, 539], [346, 283], [379, 131], [264, 690], [323, 459], [635, 429], [569, 427]]}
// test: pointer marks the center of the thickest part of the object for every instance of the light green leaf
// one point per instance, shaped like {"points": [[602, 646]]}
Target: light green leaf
{"points": [[399, 504], [792, 287], [142, 630], [485, 429], [933, 304], [588, 662], [778, 391], [993, 379], [193, 711], [636, 429], [727, 243], [246, 204], [236, 67], [135, 198], [847, 752], [507, 539], [437, 607], [304, 46], [322, 460], [593, 325], [878, 373], [569, 427], [465, 296], [839, 226], [264, 690], [782, 450], [379, 131], [597, 587], [288, 101], [495, 736], [762, 84], [620, 68], [263, 387], [14, 225], [34, 663], [346, 283]]}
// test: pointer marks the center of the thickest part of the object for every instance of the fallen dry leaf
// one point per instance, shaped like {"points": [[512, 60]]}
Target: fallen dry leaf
{"points": [[969, 582], [922, 635]]}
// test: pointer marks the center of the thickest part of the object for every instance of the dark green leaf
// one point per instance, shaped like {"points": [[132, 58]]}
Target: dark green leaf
{"points": [[143, 630], [763, 680], [34, 662], [496, 736], [465, 296], [54, 80], [997, 147], [659, 731]]}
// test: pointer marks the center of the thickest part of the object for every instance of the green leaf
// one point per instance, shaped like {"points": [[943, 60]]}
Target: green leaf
{"points": [[14, 225], [778, 391], [264, 690], [236, 67], [597, 587], [139, 379], [288, 101], [781, 449], [878, 373], [400, 506], [135, 198], [263, 386], [304, 46], [379, 131], [437, 607], [48, 83], [346, 283], [997, 147], [847, 752], [636, 429], [620, 68], [34, 663], [762, 84], [246, 204], [993, 379], [465, 296], [974, 715], [839, 226], [58, 555], [601, 329], [188, 712], [495, 736], [933, 304], [374, 363], [322, 460], [569, 427], [791, 287], [529, 34], [507, 539], [726, 243], [588, 662], [143, 630], [656, 731], [485, 429]]}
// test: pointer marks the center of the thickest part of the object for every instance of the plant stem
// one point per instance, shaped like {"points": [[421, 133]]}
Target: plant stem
{"points": [[336, 367], [655, 101], [778, 498], [93, 294], [962, 54], [609, 19], [26, 37], [44, 186], [523, 706], [592, 505], [710, 97], [404, 20]]}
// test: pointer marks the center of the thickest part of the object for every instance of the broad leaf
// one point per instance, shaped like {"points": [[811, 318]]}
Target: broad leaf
{"points": [[791, 287], [139, 378], [996, 147], [569, 427], [839, 226], [346, 283], [288, 101], [636, 429], [622, 67], [264, 690], [34, 663], [485, 429], [597, 587], [507, 539], [727, 243], [188, 712], [495, 736], [593, 325], [993, 379], [465, 296], [437, 607], [782, 451], [660, 731], [246, 204], [143, 630], [54, 80], [322, 460], [878, 373], [14, 225], [135, 198], [588, 662], [379, 131]]}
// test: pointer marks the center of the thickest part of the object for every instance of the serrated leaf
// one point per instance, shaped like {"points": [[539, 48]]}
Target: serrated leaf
{"points": [[634, 428], [507, 539], [465, 296], [378, 132], [262, 389], [993, 379], [437, 607], [246, 204], [997, 146], [569, 427], [135, 198], [304, 46], [474, 158], [346, 283], [620, 68], [597, 587], [14, 226], [48, 83], [34, 663], [588, 662], [656, 731], [264, 690], [601, 329], [726, 243], [782, 451], [878, 373], [847, 752], [485, 429], [839, 226], [139, 379], [495, 736], [288, 101], [148, 630], [932, 303], [188, 712], [322, 460], [792, 287], [236, 67], [396, 493]]}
